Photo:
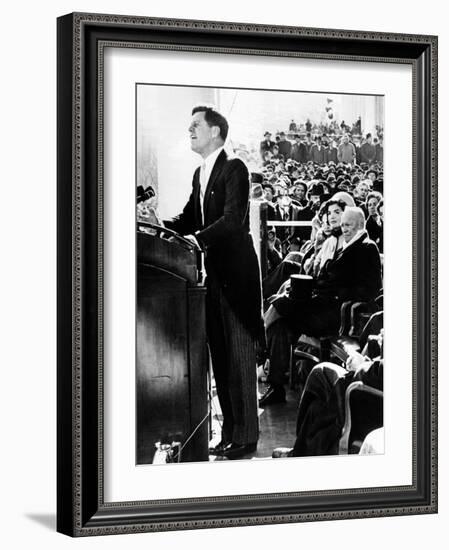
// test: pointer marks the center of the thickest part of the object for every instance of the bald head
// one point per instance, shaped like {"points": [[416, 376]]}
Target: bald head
{"points": [[352, 221]]}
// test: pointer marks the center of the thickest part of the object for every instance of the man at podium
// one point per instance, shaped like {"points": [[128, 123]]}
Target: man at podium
{"points": [[216, 217]]}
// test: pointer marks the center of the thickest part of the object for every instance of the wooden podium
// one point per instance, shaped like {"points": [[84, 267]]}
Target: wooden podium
{"points": [[172, 358]]}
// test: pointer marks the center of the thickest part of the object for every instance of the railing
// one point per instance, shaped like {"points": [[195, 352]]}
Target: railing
{"points": [[290, 223]]}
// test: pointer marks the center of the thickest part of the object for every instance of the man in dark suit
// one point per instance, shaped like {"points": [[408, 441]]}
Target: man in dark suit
{"points": [[285, 211], [266, 145], [317, 152], [216, 216], [299, 151], [285, 147], [353, 275]]}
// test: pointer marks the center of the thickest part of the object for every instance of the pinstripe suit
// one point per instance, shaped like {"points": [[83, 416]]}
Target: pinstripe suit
{"points": [[233, 303]]}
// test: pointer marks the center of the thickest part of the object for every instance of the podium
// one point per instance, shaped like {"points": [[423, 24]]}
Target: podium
{"points": [[171, 353]]}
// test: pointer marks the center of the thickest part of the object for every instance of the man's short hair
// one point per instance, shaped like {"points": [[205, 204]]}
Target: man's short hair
{"points": [[368, 136], [213, 118]]}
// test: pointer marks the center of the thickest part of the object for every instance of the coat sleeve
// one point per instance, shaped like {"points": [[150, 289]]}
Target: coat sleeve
{"points": [[235, 207]]}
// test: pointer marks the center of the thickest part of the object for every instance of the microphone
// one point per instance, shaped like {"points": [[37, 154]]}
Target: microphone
{"points": [[144, 194]]}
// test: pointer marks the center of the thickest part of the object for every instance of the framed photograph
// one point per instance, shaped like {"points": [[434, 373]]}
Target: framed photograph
{"points": [[246, 235]]}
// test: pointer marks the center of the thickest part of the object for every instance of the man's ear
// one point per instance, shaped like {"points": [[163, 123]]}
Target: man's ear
{"points": [[215, 131]]}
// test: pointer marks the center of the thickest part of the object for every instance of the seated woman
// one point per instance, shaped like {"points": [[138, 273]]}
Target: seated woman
{"points": [[333, 242], [374, 223]]}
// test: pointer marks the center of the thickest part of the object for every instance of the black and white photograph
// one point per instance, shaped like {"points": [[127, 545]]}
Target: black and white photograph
{"points": [[224, 262], [259, 273]]}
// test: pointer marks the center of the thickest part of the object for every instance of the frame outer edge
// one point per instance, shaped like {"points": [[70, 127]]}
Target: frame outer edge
{"points": [[74, 526], [65, 269]]}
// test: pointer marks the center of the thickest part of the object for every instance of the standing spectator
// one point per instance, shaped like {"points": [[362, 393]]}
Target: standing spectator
{"points": [[308, 125], [266, 145], [308, 145], [368, 150], [358, 154], [346, 151], [299, 151], [325, 144], [276, 153], [317, 152], [292, 127], [285, 211], [332, 152], [285, 147], [379, 150]]}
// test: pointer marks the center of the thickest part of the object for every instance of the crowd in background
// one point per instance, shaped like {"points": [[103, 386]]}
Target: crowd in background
{"points": [[296, 178]]}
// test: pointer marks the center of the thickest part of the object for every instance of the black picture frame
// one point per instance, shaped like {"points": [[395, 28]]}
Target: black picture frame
{"points": [[81, 510]]}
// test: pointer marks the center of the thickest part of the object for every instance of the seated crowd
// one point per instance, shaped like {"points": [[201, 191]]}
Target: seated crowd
{"points": [[314, 269]]}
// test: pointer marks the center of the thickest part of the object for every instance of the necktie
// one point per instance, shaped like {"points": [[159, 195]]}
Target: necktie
{"points": [[202, 188]]}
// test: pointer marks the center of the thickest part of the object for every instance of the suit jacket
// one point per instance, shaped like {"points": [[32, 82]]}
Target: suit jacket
{"points": [[355, 274], [230, 258], [266, 146], [277, 215], [368, 153], [299, 152], [285, 148], [317, 154]]}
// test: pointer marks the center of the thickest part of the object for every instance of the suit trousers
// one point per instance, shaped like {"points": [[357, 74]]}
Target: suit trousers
{"points": [[232, 350]]}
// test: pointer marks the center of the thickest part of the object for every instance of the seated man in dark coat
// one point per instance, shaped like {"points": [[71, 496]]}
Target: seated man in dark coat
{"points": [[353, 275]]}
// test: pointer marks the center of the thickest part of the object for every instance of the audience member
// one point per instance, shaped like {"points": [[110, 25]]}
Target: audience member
{"points": [[285, 147], [368, 150], [346, 151]]}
